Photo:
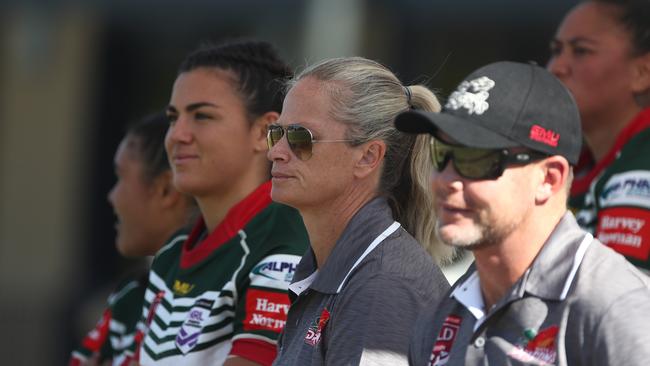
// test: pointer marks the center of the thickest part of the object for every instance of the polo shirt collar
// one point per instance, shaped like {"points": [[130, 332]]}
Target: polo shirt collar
{"points": [[553, 271], [549, 276], [369, 222]]}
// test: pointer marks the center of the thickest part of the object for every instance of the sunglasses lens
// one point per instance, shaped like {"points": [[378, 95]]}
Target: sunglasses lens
{"points": [[471, 163], [274, 135], [439, 154], [300, 141], [477, 163]]}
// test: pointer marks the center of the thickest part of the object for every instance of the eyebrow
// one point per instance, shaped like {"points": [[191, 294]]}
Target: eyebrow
{"points": [[192, 107], [575, 40]]}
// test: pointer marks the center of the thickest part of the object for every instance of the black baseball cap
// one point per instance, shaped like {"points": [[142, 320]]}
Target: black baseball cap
{"points": [[502, 105]]}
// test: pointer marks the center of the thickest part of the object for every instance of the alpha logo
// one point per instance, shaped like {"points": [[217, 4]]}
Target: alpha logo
{"points": [[315, 330], [547, 137], [266, 310], [182, 288], [188, 336], [540, 350], [471, 95], [275, 271], [445, 341], [629, 188]]}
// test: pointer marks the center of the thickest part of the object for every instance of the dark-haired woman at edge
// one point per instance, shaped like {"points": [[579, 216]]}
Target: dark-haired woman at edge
{"points": [[218, 296]]}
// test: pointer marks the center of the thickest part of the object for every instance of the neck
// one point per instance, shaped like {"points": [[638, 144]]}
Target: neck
{"points": [[215, 206], [325, 223], [500, 265], [602, 129]]}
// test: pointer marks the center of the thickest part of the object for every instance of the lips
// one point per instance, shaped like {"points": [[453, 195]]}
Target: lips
{"points": [[280, 176], [180, 159]]}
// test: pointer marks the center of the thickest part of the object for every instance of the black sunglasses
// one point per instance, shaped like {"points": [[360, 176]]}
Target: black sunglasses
{"points": [[300, 139], [477, 163]]}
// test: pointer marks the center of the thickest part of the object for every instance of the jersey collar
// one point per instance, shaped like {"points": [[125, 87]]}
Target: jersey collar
{"points": [[237, 217], [581, 183]]}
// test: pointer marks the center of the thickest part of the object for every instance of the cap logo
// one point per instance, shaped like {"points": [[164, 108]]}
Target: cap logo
{"points": [[471, 95], [547, 137]]}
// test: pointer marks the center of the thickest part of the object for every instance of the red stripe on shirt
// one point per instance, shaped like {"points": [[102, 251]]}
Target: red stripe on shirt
{"points": [[254, 350], [238, 216]]}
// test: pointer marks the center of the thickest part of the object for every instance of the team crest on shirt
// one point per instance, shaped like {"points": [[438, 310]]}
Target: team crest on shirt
{"points": [[445, 341], [188, 336], [316, 328], [539, 348]]}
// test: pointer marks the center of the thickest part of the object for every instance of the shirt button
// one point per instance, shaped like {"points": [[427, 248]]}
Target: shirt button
{"points": [[479, 342]]}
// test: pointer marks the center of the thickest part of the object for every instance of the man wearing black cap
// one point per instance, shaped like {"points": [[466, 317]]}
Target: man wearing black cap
{"points": [[541, 291]]}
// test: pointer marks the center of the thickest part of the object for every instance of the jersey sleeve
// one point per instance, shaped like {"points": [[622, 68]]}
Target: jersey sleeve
{"points": [[114, 331], [262, 307], [94, 341], [624, 214]]}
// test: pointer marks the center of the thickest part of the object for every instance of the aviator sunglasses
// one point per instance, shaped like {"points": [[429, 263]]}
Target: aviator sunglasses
{"points": [[300, 139], [477, 163]]}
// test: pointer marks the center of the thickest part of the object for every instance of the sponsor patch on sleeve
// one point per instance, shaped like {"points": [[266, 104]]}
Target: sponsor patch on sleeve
{"points": [[266, 310], [626, 230], [627, 189], [275, 271]]}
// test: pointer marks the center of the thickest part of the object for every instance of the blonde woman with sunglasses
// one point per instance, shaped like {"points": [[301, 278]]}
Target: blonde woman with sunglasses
{"points": [[362, 189]]}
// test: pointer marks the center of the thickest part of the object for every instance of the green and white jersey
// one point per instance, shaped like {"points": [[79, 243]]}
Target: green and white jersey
{"points": [[612, 201], [224, 294], [114, 333]]}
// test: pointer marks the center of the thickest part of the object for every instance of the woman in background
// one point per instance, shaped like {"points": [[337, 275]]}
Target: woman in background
{"points": [[601, 52], [149, 211]]}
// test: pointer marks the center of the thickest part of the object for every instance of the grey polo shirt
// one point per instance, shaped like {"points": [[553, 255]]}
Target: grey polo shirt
{"points": [[361, 306], [579, 303]]}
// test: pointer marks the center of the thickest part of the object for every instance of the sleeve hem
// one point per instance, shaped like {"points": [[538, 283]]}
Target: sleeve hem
{"points": [[254, 350]]}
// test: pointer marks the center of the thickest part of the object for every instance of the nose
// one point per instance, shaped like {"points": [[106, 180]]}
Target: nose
{"points": [[180, 131], [447, 180], [111, 195], [280, 151], [558, 64]]}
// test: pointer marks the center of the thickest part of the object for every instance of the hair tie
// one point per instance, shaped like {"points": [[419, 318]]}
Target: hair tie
{"points": [[407, 91]]}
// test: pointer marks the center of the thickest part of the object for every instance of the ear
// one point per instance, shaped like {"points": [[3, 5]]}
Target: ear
{"points": [[260, 128], [370, 159], [641, 80], [554, 172], [165, 193]]}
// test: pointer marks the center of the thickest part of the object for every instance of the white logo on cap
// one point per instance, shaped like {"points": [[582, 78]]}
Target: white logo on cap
{"points": [[471, 95]]}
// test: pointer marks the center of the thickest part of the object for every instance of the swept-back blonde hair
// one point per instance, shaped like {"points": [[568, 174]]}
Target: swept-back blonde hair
{"points": [[367, 97]]}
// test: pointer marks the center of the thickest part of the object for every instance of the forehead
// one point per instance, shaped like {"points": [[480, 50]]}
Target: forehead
{"points": [[128, 149], [593, 19], [204, 84], [308, 103]]}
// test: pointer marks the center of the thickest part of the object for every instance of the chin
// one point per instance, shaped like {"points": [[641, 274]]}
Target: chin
{"points": [[456, 236]]}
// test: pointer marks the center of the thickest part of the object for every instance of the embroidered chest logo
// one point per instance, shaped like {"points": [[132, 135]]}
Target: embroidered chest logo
{"points": [[445, 340], [182, 288], [471, 95], [188, 336], [537, 347], [314, 332], [547, 137]]}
